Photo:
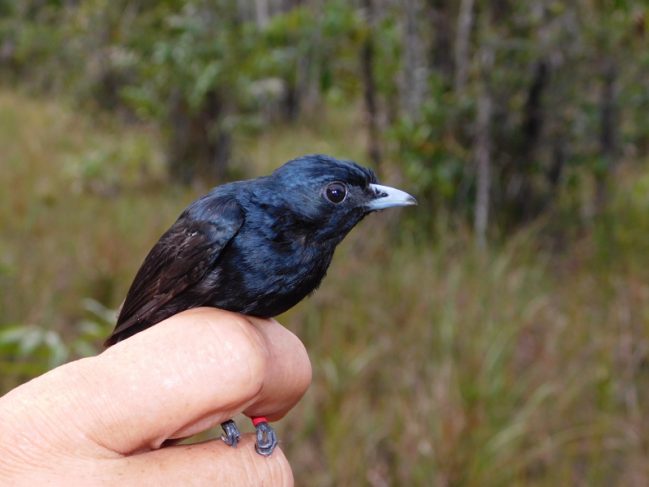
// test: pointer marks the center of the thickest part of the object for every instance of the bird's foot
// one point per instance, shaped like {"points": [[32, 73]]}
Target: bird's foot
{"points": [[231, 434], [266, 437]]}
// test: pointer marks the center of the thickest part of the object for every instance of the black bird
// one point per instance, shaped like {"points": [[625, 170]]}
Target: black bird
{"points": [[256, 247]]}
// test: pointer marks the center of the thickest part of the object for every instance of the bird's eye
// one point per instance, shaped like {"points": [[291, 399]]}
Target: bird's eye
{"points": [[336, 192]]}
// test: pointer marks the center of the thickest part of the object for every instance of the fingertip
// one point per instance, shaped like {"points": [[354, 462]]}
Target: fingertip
{"points": [[288, 374], [281, 341], [305, 375], [290, 345]]}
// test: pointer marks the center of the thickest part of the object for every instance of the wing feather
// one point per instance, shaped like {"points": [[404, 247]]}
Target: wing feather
{"points": [[180, 259]]}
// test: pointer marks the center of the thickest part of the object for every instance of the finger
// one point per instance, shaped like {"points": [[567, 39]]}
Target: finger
{"points": [[286, 381], [183, 375], [211, 463], [287, 376]]}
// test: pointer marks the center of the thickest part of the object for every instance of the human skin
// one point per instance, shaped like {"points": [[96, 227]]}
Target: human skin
{"points": [[102, 420]]}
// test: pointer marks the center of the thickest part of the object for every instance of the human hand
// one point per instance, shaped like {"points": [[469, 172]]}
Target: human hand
{"points": [[102, 420]]}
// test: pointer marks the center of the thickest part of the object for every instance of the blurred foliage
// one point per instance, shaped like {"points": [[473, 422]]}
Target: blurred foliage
{"points": [[566, 82], [435, 362], [514, 366], [476, 370], [30, 350]]}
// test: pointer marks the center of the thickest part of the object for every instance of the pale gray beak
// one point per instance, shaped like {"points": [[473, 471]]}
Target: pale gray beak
{"points": [[387, 197]]}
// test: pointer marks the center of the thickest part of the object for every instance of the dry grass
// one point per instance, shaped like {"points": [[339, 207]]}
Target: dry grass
{"points": [[72, 228], [434, 364], [475, 370]]}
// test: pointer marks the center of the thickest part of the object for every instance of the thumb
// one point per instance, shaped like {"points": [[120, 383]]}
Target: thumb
{"points": [[210, 463], [200, 464]]}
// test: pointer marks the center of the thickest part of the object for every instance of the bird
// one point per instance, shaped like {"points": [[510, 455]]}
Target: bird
{"points": [[256, 247]]}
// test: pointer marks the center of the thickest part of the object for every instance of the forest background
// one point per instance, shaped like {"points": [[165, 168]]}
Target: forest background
{"points": [[497, 334]]}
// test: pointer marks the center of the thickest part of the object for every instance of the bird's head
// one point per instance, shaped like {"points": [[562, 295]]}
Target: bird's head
{"points": [[329, 196]]}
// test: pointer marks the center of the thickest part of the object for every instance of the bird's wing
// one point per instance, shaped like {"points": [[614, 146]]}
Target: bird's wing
{"points": [[180, 259]]}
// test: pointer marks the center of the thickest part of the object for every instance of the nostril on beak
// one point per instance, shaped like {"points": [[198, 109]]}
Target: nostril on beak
{"points": [[387, 197], [379, 194]]}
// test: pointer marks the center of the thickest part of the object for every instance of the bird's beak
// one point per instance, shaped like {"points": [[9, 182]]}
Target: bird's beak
{"points": [[387, 197]]}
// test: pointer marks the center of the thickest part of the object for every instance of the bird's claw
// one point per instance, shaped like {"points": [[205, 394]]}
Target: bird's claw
{"points": [[266, 439], [231, 434]]}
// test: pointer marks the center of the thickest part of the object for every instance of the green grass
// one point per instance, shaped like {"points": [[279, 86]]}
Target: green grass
{"points": [[434, 364]]}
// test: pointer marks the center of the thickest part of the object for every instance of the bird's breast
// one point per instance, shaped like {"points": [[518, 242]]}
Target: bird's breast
{"points": [[268, 278]]}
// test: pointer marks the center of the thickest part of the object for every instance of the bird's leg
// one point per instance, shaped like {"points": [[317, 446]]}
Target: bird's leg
{"points": [[266, 437], [231, 433]]}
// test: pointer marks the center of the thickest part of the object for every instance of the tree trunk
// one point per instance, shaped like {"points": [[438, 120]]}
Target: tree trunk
{"points": [[414, 71], [441, 53], [527, 203], [607, 136], [524, 200], [262, 13], [369, 87], [533, 112], [462, 42], [482, 153], [198, 144]]}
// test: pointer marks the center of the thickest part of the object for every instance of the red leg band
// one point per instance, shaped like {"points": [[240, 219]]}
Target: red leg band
{"points": [[259, 419]]}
